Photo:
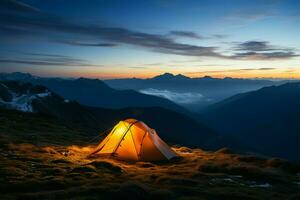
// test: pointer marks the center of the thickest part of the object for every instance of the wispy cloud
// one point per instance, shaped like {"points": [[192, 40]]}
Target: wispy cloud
{"points": [[251, 55], [261, 50], [41, 25], [85, 44], [258, 46], [137, 67], [232, 70], [48, 60], [16, 6], [247, 14], [188, 34], [219, 36]]}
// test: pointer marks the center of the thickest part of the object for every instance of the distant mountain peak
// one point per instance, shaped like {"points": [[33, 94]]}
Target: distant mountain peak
{"points": [[165, 75], [22, 96], [168, 76], [86, 79], [181, 76], [207, 77], [15, 76], [91, 83]]}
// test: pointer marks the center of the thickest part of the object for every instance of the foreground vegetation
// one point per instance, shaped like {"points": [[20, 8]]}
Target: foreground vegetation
{"points": [[39, 161]]}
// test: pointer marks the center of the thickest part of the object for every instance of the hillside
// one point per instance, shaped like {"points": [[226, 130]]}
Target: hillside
{"points": [[266, 119]]}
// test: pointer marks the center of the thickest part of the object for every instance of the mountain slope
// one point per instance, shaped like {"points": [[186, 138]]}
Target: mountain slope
{"points": [[172, 126], [39, 99], [267, 119], [93, 92]]}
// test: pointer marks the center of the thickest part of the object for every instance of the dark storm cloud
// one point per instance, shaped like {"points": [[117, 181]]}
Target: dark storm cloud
{"points": [[48, 60], [188, 34]]}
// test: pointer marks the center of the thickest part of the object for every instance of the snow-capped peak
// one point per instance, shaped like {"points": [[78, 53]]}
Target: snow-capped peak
{"points": [[22, 101]]}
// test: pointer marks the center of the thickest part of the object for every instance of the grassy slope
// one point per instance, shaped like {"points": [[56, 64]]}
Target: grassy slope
{"points": [[20, 127], [59, 172], [50, 168]]}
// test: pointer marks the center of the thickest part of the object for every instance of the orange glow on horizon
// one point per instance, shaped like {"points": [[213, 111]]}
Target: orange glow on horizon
{"points": [[272, 73], [252, 73]]}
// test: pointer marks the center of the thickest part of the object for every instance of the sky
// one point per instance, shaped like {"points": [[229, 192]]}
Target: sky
{"points": [[122, 39]]}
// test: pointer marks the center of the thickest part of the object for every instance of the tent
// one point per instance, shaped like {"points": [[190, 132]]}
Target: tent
{"points": [[133, 140]]}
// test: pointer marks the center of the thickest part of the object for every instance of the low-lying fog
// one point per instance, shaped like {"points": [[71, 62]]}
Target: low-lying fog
{"points": [[177, 97]]}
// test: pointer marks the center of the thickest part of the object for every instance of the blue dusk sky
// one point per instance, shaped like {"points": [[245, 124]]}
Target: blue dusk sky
{"points": [[115, 39]]}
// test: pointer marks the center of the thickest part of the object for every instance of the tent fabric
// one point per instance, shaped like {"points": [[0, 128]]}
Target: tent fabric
{"points": [[134, 140]]}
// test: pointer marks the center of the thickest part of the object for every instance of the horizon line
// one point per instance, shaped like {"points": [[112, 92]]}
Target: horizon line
{"points": [[151, 77]]}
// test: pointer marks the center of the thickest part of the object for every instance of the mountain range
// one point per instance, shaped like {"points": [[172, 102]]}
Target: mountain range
{"points": [[41, 101], [267, 119], [264, 121], [200, 92], [95, 93], [175, 92]]}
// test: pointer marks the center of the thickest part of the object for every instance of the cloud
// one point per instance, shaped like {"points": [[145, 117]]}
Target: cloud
{"points": [[180, 98], [261, 50], [266, 68], [257, 46], [193, 35], [233, 70], [137, 67], [188, 34], [39, 25], [76, 43], [251, 55], [16, 6], [219, 36], [48, 60], [247, 14], [42, 25], [252, 14]]}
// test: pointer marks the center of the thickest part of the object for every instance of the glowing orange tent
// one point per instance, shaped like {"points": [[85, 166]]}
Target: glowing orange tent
{"points": [[133, 140]]}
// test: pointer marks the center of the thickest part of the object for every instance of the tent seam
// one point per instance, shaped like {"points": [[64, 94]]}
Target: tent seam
{"points": [[128, 128]]}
